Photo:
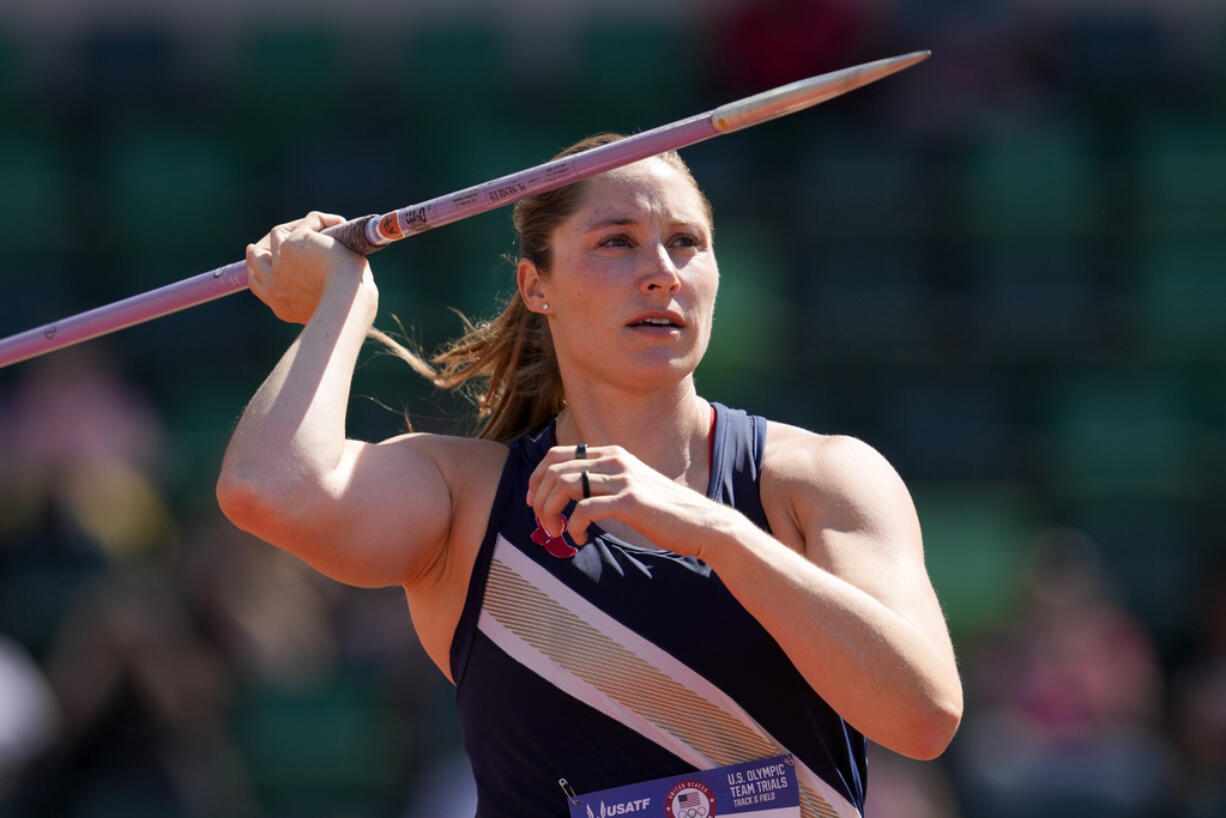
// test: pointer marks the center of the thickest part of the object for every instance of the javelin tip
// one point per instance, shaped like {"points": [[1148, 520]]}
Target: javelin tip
{"points": [[796, 96]]}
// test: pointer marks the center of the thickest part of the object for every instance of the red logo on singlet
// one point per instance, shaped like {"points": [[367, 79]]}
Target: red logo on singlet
{"points": [[556, 546]]}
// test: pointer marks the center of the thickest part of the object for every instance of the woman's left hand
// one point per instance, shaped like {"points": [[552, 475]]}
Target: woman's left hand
{"points": [[623, 488]]}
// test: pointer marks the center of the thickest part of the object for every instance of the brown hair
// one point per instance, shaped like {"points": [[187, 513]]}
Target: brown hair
{"points": [[508, 362]]}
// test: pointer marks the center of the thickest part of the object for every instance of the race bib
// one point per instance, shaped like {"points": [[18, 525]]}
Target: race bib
{"points": [[755, 789]]}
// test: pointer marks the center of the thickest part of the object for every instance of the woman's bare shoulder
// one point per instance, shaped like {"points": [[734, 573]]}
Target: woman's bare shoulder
{"points": [[791, 449], [452, 451], [833, 477], [467, 465]]}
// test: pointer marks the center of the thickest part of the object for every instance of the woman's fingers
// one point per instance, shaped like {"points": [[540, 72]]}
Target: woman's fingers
{"points": [[554, 457], [327, 219], [553, 493], [306, 230], [313, 221], [276, 238], [597, 507], [620, 487], [558, 481], [259, 261], [290, 265], [259, 273], [565, 489]]}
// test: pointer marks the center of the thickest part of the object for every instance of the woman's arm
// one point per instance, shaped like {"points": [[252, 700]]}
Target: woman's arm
{"points": [[841, 586], [364, 514], [843, 589]]}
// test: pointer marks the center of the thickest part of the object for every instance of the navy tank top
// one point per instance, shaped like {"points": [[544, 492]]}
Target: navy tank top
{"points": [[608, 664]]}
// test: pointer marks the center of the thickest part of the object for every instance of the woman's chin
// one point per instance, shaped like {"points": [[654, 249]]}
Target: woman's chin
{"points": [[656, 372]]}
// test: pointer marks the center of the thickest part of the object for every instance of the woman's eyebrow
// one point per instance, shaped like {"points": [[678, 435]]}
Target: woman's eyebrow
{"points": [[618, 221], [623, 221]]}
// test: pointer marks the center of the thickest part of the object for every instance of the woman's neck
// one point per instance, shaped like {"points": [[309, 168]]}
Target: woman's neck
{"points": [[667, 430]]}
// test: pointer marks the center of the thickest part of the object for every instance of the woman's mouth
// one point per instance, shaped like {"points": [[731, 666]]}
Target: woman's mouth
{"points": [[662, 320]]}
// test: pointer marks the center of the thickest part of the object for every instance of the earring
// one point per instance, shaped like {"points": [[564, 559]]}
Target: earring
{"points": [[544, 308]]}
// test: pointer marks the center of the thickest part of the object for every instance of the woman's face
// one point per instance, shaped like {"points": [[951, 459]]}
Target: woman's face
{"points": [[631, 292]]}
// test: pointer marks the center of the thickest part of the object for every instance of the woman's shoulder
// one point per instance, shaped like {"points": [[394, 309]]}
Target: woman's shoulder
{"points": [[829, 463], [785, 438], [462, 461], [816, 481]]}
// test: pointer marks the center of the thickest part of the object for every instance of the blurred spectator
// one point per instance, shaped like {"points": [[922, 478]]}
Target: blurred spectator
{"points": [[1200, 708], [267, 613], [143, 699], [445, 789], [29, 715], [312, 657], [88, 536], [1065, 707], [902, 788], [83, 448], [762, 44]]}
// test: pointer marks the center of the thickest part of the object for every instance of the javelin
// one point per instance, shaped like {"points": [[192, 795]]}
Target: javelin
{"points": [[366, 234]]}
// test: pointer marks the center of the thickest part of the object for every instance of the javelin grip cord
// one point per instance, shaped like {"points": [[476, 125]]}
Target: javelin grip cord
{"points": [[368, 234], [353, 234]]}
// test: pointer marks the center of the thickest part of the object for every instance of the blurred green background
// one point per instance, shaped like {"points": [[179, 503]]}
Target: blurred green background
{"points": [[1004, 268]]}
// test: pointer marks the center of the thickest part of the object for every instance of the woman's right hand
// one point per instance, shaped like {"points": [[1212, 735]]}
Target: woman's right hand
{"points": [[291, 266]]}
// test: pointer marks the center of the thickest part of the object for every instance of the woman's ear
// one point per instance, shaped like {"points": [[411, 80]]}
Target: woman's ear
{"points": [[531, 286]]}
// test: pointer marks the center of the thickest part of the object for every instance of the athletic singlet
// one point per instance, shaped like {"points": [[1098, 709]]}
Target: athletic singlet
{"points": [[608, 664]]}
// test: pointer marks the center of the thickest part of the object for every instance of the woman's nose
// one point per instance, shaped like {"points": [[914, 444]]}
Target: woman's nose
{"points": [[660, 272]]}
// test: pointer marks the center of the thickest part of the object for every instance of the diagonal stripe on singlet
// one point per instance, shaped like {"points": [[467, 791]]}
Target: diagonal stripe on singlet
{"points": [[565, 639]]}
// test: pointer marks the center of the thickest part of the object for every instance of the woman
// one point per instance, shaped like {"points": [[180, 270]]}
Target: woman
{"points": [[624, 581]]}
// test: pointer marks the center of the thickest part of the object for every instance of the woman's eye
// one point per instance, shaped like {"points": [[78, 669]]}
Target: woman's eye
{"points": [[686, 240], [619, 240]]}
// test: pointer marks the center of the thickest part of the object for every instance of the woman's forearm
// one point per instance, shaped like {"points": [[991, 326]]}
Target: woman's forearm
{"points": [[366, 514], [878, 670], [293, 430]]}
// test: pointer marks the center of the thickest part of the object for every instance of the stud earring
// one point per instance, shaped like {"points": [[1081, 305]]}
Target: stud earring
{"points": [[544, 308]]}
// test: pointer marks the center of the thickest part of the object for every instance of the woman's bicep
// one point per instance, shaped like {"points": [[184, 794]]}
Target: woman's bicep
{"points": [[386, 510], [374, 519], [857, 521]]}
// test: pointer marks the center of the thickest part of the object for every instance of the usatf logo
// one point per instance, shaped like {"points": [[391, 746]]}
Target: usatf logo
{"points": [[624, 808], [690, 799]]}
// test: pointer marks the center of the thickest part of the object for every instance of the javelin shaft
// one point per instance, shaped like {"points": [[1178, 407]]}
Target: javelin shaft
{"points": [[368, 234]]}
